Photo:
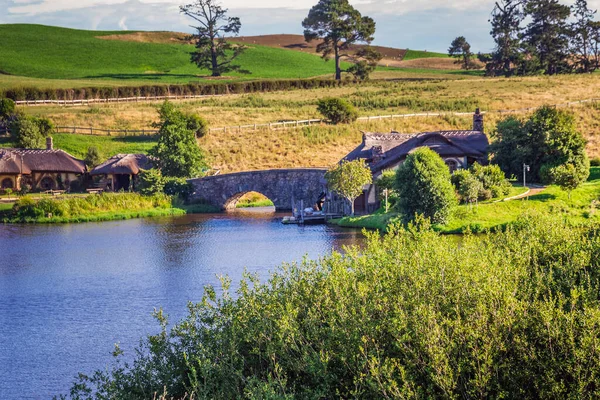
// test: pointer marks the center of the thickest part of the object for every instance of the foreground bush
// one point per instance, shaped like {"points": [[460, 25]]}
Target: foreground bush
{"points": [[511, 315]]}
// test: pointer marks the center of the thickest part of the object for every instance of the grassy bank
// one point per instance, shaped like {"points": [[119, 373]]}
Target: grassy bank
{"points": [[103, 207], [582, 205]]}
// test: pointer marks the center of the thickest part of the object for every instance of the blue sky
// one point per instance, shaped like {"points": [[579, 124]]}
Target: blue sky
{"points": [[416, 24]]}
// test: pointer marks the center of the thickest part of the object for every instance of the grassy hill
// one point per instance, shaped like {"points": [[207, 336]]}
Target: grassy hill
{"points": [[52, 57], [38, 51]]}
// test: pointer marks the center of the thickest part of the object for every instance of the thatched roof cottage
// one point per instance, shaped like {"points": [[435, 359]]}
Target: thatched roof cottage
{"points": [[121, 171], [42, 169]]}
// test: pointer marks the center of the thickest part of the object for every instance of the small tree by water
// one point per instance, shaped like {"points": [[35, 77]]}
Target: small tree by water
{"points": [[348, 179]]}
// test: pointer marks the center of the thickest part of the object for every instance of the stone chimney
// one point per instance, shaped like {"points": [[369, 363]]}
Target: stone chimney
{"points": [[49, 143], [478, 121]]}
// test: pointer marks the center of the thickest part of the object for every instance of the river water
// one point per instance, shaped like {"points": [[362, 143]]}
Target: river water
{"points": [[68, 293]]}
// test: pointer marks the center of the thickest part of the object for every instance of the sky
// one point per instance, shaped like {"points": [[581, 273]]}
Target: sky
{"points": [[416, 24]]}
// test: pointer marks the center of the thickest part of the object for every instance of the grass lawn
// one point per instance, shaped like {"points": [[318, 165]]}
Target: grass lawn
{"points": [[77, 145], [576, 208]]}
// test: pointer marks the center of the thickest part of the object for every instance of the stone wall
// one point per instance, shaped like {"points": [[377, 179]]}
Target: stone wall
{"points": [[281, 186]]}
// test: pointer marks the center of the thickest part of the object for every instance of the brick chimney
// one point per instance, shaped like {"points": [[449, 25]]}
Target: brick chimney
{"points": [[49, 143], [478, 121]]}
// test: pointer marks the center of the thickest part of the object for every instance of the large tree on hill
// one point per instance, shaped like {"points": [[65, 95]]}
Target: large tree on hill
{"points": [[213, 51], [339, 25], [461, 50], [546, 37], [506, 27]]}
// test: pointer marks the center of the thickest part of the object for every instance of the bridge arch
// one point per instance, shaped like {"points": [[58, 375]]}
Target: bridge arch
{"points": [[281, 186]]}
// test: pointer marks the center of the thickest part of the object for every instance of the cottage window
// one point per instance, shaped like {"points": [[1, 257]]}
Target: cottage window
{"points": [[47, 183], [7, 183], [452, 165]]}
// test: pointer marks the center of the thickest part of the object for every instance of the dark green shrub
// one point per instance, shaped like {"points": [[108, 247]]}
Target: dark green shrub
{"points": [[179, 187], [197, 124], [151, 182], [7, 108], [424, 187], [337, 111], [26, 208], [595, 162], [92, 158]]}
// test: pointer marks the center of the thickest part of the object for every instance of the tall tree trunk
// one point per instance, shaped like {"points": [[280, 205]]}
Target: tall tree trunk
{"points": [[338, 69], [213, 58]]}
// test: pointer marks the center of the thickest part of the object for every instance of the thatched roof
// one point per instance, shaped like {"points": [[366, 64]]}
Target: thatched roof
{"points": [[125, 164], [39, 161], [382, 150]]}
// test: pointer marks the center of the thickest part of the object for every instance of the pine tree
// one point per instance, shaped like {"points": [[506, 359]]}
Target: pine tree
{"points": [[506, 28], [582, 35], [546, 37]]}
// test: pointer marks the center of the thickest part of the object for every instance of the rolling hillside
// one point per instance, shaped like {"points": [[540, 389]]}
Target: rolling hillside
{"points": [[38, 51], [33, 52]]}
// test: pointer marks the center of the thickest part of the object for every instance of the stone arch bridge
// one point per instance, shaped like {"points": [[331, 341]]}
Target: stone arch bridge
{"points": [[281, 186]]}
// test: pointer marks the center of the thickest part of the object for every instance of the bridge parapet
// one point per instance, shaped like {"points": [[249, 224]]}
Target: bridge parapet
{"points": [[282, 186]]}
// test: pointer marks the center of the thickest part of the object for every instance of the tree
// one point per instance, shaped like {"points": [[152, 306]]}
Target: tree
{"points": [[151, 182], [569, 177], [27, 133], [582, 35], [548, 139], [7, 108], [177, 151], [506, 27], [461, 50], [546, 36], [424, 187], [337, 111], [595, 44], [338, 25], [92, 158], [213, 51], [469, 189], [348, 179]]}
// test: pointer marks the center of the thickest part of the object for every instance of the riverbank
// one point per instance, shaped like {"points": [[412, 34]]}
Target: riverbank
{"points": [[581, 205], [95, 208]]}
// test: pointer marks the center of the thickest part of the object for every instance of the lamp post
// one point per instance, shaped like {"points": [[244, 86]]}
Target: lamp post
{"points": [[526, 169]]}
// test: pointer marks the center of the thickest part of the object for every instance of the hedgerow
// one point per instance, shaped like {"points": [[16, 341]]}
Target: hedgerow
{"points": [[190, 89]]}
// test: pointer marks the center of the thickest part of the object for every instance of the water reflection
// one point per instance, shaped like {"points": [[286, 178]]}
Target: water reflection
{"points": [[69, 292]]}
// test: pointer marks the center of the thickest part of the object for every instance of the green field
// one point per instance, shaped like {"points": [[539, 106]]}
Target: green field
{"points": [[416, 54], [77, 145], [38, 51]]}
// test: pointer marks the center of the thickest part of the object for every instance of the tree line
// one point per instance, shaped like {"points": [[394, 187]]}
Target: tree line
{"points": [[538, 37]]}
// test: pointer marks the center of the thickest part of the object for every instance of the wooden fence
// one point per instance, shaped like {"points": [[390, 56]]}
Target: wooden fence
{"points": [[274, 126]]}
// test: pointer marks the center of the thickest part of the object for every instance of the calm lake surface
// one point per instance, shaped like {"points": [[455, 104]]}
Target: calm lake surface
{"points": [[68, 293]]}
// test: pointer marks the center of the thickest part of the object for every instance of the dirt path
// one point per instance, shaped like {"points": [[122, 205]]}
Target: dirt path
{"points": [[531, 192]]}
